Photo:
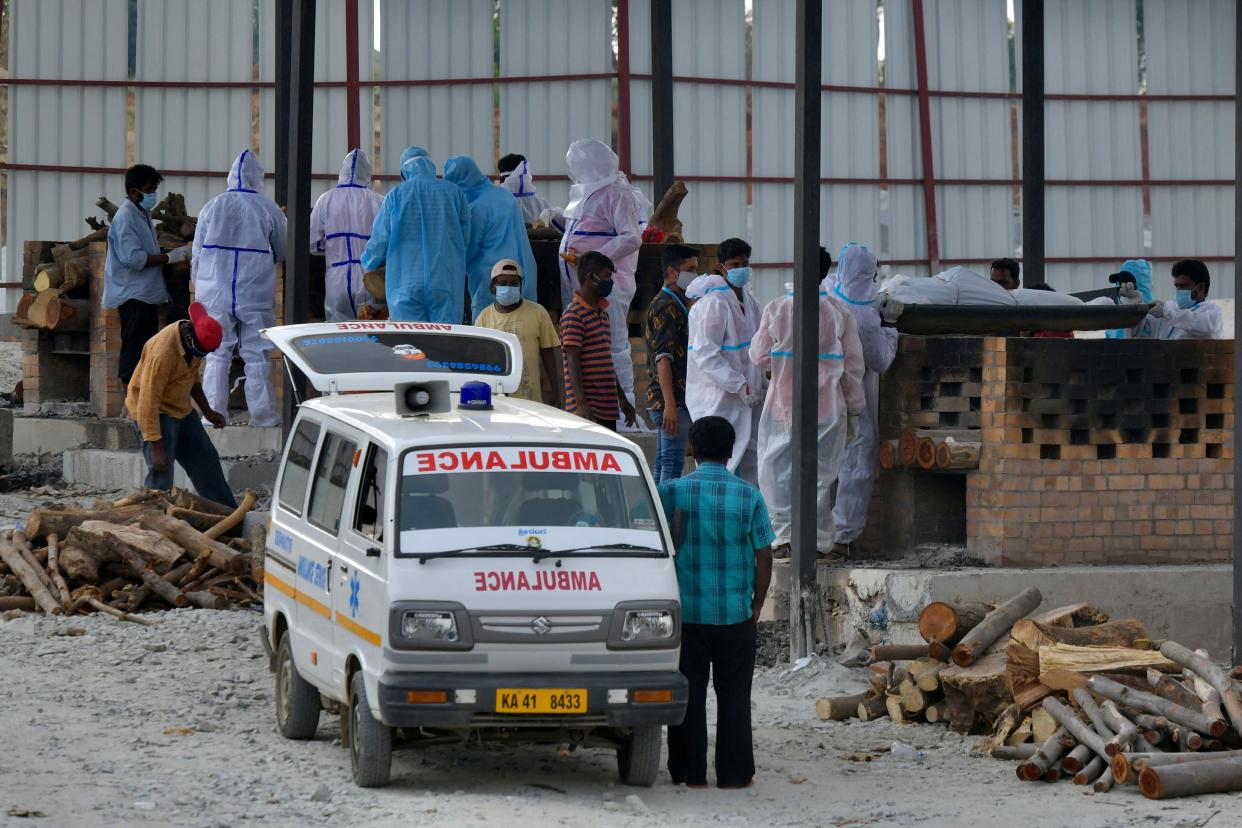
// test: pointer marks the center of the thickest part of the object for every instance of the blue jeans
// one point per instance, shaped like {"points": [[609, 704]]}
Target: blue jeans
{"points": [[186, 444], [670, 451]]}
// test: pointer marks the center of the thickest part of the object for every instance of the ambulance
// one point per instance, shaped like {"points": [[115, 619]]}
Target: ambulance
{"points": [[448, 564]]}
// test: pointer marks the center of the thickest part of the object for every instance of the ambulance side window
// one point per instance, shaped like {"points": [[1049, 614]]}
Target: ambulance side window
{"points": [[369, 517], [336, 460], [298, 466]]}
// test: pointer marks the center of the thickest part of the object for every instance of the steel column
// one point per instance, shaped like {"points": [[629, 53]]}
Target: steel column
{"points": [[925, 137], [623, 84], [1033, 143], [353, 91], [1237, 355], [808, 60], [284, 42], [299, 108], [661, 97]]}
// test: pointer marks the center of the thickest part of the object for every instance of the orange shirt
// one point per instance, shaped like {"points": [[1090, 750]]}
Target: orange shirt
{"points": [[162, 382]]}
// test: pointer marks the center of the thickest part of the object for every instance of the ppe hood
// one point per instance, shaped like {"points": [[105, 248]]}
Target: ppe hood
{"points": [[355, 170], [246, 174], [465, 173], [592, 166], [855, 281], [1141, 270], [412, 167]]}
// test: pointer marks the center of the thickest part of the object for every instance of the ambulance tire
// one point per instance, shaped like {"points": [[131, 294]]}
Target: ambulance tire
{"points": [[297, 700], [370, 741], [638, 759]]}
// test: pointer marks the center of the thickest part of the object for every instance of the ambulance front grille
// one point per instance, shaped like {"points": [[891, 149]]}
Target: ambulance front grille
{"points": [[530, 628]]}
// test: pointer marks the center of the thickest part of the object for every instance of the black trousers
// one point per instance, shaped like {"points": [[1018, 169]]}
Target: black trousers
{"points": [[139, 322], [728, 652]]}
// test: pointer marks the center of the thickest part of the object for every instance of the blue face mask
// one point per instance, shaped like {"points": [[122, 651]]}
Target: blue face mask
{"points": [[508, 295], [739, 277], [149, 200], [1184, 300]]}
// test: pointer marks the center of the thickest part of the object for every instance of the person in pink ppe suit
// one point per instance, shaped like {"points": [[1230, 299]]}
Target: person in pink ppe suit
{"points": [[839, 358], [605, 214]]}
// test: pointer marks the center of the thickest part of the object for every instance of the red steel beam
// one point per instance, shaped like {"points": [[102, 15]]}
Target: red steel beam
{"points": [[623, 83], [1048, 259], [353, 90], [925, 138]]}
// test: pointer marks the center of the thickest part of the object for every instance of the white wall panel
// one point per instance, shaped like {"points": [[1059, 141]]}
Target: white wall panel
{"points": [[67, 39]]}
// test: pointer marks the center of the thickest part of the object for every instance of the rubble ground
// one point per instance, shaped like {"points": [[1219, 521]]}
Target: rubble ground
{"points": [[106, 723]]}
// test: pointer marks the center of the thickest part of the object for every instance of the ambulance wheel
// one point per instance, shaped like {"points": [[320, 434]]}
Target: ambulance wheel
{"points": [[297, 700], [370, 741], [638, 758]]}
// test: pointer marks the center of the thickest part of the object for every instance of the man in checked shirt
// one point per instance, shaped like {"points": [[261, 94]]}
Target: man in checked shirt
{"points": [[724, 565]]}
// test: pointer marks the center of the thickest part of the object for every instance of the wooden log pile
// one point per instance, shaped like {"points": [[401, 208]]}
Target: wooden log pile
{"points": [[933, 450], [150, 550]]}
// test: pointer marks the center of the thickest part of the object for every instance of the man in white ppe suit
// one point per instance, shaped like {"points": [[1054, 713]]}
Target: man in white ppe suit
{"points": [[340, 226], [1189, 316], [516, 178], [238, 242], [841, 401], [721, 379], [606, 214], [855, 285]]}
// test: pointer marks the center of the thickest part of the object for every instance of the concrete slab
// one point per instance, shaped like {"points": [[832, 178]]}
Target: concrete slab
{"points": [[46, 435], [106, 469], [244, 441], [1191, 603]]}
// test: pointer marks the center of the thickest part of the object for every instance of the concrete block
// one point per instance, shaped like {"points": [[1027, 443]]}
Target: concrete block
{"points": [[244, 441], [106, 469], [44, 435]]}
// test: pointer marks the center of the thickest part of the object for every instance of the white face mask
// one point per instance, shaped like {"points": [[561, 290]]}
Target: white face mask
{"points": [[685, 277]]}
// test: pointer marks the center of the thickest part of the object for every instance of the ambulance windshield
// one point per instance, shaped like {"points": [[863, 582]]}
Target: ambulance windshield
{"points": [[538, 497]]}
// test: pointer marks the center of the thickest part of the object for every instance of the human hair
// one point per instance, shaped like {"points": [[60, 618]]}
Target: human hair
{"points": [[1196, 270], [674, 254], [711, 438], [141, 175], [731, 249], [1009, 265], [825, 262], [509, 163], [589, 264]]}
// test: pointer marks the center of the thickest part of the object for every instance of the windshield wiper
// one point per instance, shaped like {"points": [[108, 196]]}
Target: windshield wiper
{"points": [[464, 551], [544, 554]]}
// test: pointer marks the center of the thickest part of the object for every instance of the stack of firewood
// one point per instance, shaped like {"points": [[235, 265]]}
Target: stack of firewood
{"points": [[150, 550], [940, 450], [1067, 692]]}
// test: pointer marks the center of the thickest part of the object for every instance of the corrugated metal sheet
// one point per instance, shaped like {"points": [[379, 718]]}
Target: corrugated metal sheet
{"points": [[540, 120], [61, 125], [194, 129], [424, 39]]}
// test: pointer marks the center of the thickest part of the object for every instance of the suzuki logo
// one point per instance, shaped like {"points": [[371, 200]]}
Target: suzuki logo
{"points": [[541, 625]]}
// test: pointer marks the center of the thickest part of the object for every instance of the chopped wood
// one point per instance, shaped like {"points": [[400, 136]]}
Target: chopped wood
{"points": [[200, 521], [997, 623], [17, 602], [1166, 687], [197, 568], [43, 522], [1054, 773], [1211, 776], [186, 499], [207, 600], [1021, 734], [895, 711], [116, 613], [1139, 761], [907, 448], [880, 676], [1023, 751], [925, 672], [1033, 634], [1086, 703], [1153, 704], [1105, 783], [934, 713], [1076, 727], [836, 708], [1090, 772], [947, 623], [872, 707], [1077, 759], [194, 542], [890, 454], [898, 652], [925, 453], [955, 456], [23, 547], [29, 577], [105, 541], [975, 696], [1050, 751], [53, 568], [142, 568], [1042, 724], [1231, 700], [1099, 659], [1125, 732], [913, 700]]}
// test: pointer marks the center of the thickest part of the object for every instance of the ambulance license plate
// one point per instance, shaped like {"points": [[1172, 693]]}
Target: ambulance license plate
{"points": [[541, 700]]}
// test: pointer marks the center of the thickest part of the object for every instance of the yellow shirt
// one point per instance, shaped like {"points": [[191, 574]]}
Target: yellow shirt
{"points": [[530, 323], [162, 382]]}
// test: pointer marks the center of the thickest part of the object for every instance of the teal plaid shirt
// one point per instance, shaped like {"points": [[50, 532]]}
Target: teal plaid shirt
{"points": [[718, 522]]}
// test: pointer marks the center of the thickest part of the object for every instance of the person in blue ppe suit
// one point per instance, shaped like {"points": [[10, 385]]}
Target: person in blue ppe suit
{"points": [[497, 232], [340, 226], [1140, 269], [421, 234], [240, 237]]}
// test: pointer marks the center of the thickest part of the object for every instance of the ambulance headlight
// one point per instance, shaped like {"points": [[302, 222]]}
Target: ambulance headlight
{"points": [[429, 625], [645, 624]]}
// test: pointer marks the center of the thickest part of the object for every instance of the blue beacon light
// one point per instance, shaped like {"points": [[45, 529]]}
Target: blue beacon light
{"points": [[475, 396]]}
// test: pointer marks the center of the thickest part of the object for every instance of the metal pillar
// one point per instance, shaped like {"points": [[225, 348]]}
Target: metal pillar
{"points": [[1237, 356], [297, 104], [808, 58], [353, 91], [925, 137], [661, 97], [623, 84], [1033, 143], [284, 39]]}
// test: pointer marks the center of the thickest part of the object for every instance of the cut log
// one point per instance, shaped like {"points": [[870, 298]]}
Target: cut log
{"points": [[892, 704], [1022, 670], [186, 499], [1105, 783], [195, 542], [1086, 703], [1125, 732], [105, 204], [79, 564], [947, 623], [873, 707], [954, 456], [143, 569], [1024, 751], [997, 623], [17, 602], [1140, 761], [1231, 700], [898, 652], [206, 600], [925, 453], [1212, 707], [1212, 776], [913, 700], [880, 676], [23, 547], [116, 613], [1049, 752], [1164, 686], [1090, 771], [836, 708], [197, 568], [235, 517], [1077, 759], [1100, 659], [29, 577], [1042, 724], [890, 455], [54, 312], [934, 713], [199, 521], [925, 673], [1054, 773], [104, 541], [1076, 727], [48, 275], [53, 568], [20, 316], [1155, 705], [1032, 634], [907, 448], [1021, 734], [59, 521], [977, 695]]}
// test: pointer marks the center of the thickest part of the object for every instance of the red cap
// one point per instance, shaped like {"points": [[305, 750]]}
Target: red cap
{"points": [[206, 330]]}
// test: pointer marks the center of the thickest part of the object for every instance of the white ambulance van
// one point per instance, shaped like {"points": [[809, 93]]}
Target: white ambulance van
{"points": [[447, 563]]}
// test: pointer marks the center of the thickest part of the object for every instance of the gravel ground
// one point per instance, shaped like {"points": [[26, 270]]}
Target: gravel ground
{"points": [[108, 724], [10, 365]]}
